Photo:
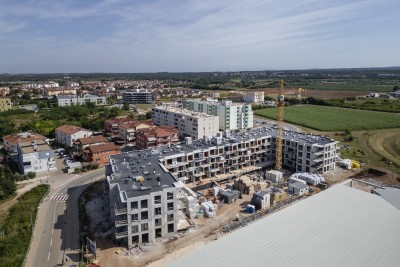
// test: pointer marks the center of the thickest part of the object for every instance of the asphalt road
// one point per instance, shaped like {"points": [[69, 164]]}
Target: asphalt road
{"points": [[56, 234], [264, 122]]}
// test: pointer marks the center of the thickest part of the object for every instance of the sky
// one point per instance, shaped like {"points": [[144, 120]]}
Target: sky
{"points": [[56, 36]]}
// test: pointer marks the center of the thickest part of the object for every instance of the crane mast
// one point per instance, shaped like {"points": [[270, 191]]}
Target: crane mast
{"points": [[281, 105]]}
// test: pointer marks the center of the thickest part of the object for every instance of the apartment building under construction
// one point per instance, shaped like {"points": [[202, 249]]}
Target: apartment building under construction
{"points": [[147, 192]]}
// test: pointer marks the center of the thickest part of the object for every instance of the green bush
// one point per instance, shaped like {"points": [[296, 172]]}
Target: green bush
{"points": [[16, 229]]}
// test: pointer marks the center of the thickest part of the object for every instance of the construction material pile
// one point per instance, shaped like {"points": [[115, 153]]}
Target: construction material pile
{"points": [[310, 178], [209, 208]]}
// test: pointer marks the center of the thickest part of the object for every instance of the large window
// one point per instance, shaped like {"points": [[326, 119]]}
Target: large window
{"points": [[157, 211], [143, 204], [135, 229], [157, 200], [170, 195], [170, 206], [144, 215]]}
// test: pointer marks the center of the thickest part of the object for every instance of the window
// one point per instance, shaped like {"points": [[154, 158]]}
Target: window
{"points": [[143, 204], [157, 211], [170, 206], [144, 215], [170, 217], [157, 200], [170, 195], [170, 228], [135, 229], [134, 205], [157, 222], [135, 217], [144, 227]]}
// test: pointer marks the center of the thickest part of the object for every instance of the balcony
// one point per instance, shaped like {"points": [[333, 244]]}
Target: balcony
{"points": [[120, 211], [121, 234], [121, 223]]}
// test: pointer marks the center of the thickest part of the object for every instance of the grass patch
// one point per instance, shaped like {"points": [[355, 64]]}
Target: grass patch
{"points": [[16, 229], [329, 119]]}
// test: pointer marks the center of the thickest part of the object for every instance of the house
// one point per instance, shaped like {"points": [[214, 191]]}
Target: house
{"points": [[156, 136], [112, 126], [11, 141], [100, 154], [82, 143], [127, 132], [36, 156], [68, 134], [298, 188]]}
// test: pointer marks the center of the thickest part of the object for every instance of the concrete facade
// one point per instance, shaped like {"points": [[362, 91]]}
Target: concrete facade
{"points": [[68, 134], [189, 123], [232, 116], [69, 100], [36, 156], [253, 97]]}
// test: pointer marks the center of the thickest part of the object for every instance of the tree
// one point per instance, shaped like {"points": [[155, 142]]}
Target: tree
{"points": [[395, 88], [26, 96], [126, 106], [7, 183]]}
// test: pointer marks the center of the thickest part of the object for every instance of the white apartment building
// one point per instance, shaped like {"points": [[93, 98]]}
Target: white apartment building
{"points": [[253, 97], [138, 96], [189, 123], [232, 116], [71, 84], [36, 156], [42, 85], [68, 100], [68, 134]]}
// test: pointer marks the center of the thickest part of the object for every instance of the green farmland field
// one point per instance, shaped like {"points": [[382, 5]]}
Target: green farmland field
{"points": [[329, 119]]}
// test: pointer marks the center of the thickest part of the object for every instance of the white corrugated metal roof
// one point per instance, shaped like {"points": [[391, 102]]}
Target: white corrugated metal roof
{"points": [[341, 226]]}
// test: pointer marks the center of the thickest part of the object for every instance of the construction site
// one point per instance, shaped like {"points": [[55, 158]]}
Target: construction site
{"points": [[170, 198]]}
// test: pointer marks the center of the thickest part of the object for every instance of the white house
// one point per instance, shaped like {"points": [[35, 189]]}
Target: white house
{"points": [[68, 134]]}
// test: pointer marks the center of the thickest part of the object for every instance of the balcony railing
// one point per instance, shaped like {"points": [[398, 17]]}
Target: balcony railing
{"points": [[120, 211]]}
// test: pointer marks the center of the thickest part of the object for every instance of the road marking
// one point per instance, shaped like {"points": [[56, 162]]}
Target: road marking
{"points": [[51, 241], [48, 257], [54, 217], [59, 197], [69, 180]]}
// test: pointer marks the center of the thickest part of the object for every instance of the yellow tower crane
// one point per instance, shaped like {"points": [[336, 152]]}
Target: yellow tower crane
{"points": [[279, 135]]}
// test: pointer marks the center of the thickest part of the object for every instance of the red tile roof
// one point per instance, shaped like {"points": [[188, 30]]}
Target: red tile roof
{"points": [[91, 140], [136, 123], [70, 129], [158, 131], [16, 138], [102, 148]]}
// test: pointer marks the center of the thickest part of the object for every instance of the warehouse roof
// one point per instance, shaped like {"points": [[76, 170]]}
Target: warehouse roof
{"points": [[340, 226]]}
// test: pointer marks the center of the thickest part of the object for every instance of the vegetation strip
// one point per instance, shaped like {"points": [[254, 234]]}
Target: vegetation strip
{"points": [[16, 229]]}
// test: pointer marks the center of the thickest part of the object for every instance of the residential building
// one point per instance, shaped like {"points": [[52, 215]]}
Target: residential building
{"points": [[82, 143], [156, 136], [36, 156], [112, 126], [138, 96], [100, 154], [11, 141], [143, 200], [68, 100], [5, 103], [42, 85], [189, 123], [59, 91], [127, 132], [232, 116], [68, 134], [261, 199], [253, 97], [71, 84]]}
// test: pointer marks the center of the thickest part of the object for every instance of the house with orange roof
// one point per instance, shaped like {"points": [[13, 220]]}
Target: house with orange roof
{"points": [[100, 154], [68, 134], [156, 136], [127, 132], [11, 141], [112, 126]]}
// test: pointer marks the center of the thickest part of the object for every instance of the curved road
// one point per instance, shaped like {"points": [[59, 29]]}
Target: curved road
{"points": [[56, 234]]}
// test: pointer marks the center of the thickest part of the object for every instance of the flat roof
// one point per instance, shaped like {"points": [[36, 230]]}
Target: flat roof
{"points": [[126, 166], [30, 147], [184, 112], [340, 226]]}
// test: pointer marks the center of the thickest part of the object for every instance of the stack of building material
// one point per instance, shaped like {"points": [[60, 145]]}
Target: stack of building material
{"points": [[345, 163], [273, 176], [209, 208], [293, 180], [194, 211], [228, 196], [310, 178], [216, 190]]}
